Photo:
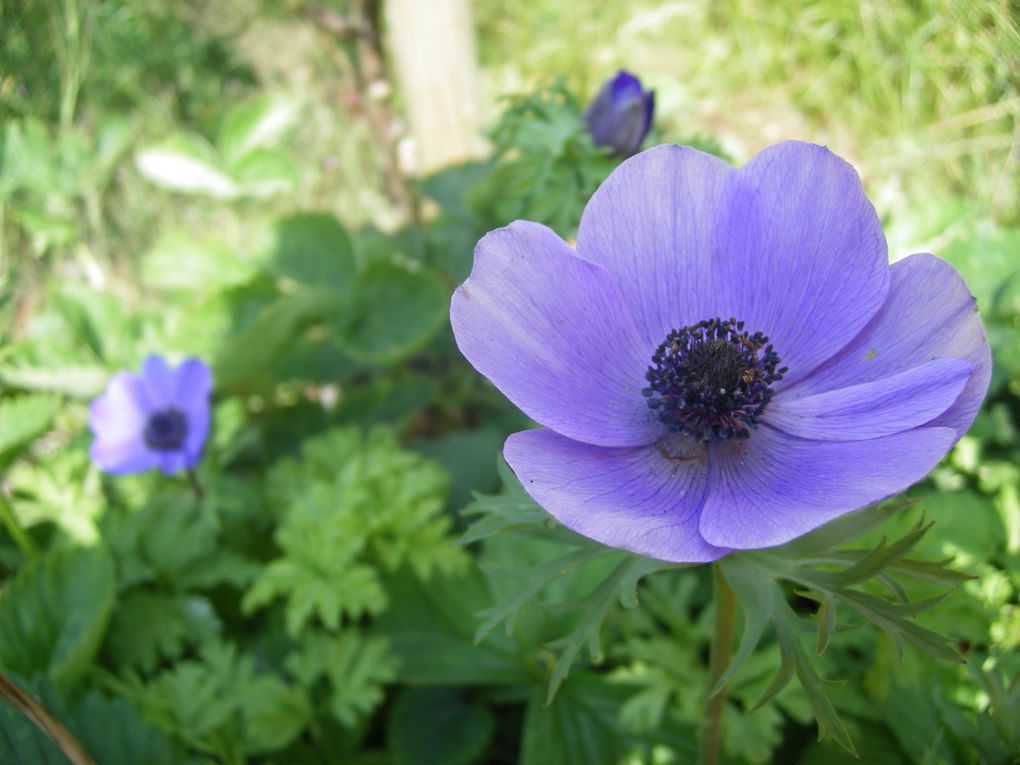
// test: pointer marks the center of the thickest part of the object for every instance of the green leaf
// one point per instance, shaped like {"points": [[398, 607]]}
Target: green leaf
{"points": [[54, 614], [264, 173], [113, 732], [582, 726], [250, 352], [22, 743], [149, 627], [220, 705], [181, 262], [435, 726], [22, 420], [394, 311], [312, 249], [619, 587], [500, 513], [431, 627], [356, 504], [534, 579], [356, 667], [262, 123], [78, 380], [187, 164]]}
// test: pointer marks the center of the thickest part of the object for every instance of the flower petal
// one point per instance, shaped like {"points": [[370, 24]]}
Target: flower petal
{"points": [[117, 418], [873, 409], [121, 410], [774, 487], [173, 462], [159, 382], [929, 314], [650, 224], [118, 457], [552, 332], [644, 500], [799, 253], [194, 387]]}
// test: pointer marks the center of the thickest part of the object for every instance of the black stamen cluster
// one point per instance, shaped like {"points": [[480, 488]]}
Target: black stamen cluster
{"points": [[166, 430], [711, 380]]}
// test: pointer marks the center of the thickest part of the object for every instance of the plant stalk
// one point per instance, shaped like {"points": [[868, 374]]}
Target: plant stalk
{"points": [[18, 534], [719, 659], [35, 713]]}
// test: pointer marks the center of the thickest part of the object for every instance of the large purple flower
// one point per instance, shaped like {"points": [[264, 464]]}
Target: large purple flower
{"points": [[727, 360], [620, 116], [159, 418]]}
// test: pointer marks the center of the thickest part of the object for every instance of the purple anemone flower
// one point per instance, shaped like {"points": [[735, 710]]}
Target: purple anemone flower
{"points": [[727, 360], [159, 418], [620, 116]]}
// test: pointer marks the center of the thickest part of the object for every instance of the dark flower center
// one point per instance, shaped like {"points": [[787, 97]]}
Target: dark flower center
{"points": [[711, 380], [166, 430]]}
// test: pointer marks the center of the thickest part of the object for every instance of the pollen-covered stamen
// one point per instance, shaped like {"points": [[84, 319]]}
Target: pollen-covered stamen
{"points": [[711, 380], [166, 430]]}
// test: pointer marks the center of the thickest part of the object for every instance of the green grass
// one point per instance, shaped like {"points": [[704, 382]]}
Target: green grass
{"points": [[921, 95]]}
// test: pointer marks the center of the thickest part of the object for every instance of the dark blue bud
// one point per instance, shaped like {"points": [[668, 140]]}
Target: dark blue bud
{"points": [[620, 116]]}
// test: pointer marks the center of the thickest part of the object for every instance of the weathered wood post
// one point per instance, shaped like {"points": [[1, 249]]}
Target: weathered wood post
{"points": [[432, 46]]}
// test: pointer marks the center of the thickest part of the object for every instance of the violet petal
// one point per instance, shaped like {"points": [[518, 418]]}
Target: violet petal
{"points": [[552, 332], [799, 253], [873, 409], [774, 487], [639, 499], [650, 224]]}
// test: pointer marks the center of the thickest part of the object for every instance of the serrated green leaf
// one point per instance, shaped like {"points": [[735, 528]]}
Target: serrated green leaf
{"points": [[357, 668], [250, 352], [619, 587], [499, 513], [844, 529], [431, 627], [756, 594], [113, 731], [312, 249], [54, 614], [795, 659], [582, 726], [220, 705], [535, 579], [393, 312], [149, 627], [22, 420], [893, 618], [354, 505], [435, 726], [22, 743]]}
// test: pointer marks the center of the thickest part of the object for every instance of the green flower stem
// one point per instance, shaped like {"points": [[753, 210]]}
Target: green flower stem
{"points": [[18, 534], [719, 660], [196, 486]]}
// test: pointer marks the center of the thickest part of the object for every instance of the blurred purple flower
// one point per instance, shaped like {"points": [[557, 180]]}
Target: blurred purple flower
{"points": [[159, 418], [620, 116], [677, 432]]}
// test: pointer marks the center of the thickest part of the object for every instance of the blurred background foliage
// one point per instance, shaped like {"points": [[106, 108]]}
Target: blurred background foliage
{"points": [[236, 180]]}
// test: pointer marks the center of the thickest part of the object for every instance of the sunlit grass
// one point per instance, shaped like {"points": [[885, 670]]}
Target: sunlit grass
{"points": [[923, 94]]}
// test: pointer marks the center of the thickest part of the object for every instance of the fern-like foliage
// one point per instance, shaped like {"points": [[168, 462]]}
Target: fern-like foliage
{"points": [[220, 705], [348, 669], [354, 507]]}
